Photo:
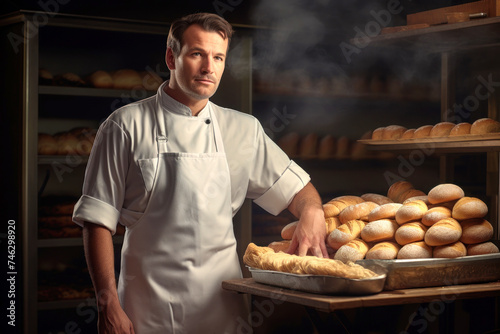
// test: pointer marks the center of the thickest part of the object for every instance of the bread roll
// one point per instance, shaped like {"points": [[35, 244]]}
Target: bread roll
{"points": [[379, 230], [332, 223], [423, 131], [392, 132], [484, 125], [376, 198], [280, 246], [445, 231], [482, 248], [475, 231], [410, 193], [456, 249], [343, 148], [386, 250], [101, 79], [308, 147], [411, 211], [353, 251], [408, 134], [69, 79], [435, 214], [327, 147], [410, 232], [47, 144], [445, 192], [468, 208], [417, 198], [384, 211], [67, 143], [345, 233], [441, 129], [461, 129], [397, 189], [127, 79], [357, 211], [288, 231], [415, 250], [333, 207], [289, 143], [377, 134]]}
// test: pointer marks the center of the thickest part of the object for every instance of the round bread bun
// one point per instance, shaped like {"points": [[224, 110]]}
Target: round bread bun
{"points": [[127, 79], [468, 208], [385, 250], [327, 147], [441, 129], [377, 134], [445, 192], [332, 223], [435, 214], [289, 143], [101, 79], [482, 248], [475, 231], [379, 230], [397, 188], [416, 198], [384, 211], [423, 131], [288, 230], [411, 211], [353, 251], [357, 211], [484, 125], [445, 231], [415, 250], [461, 129], [333, 207], [410, 232], [410, 193], [308, 146], [456, 249], [376, 198], [280, 246], [47, 144], [408, 134], [392, 132]]}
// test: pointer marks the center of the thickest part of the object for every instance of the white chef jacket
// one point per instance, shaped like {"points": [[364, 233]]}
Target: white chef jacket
{"points": [[119, 177]]}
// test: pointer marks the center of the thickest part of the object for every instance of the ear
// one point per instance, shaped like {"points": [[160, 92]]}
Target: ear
{"points": [[170, 59]]}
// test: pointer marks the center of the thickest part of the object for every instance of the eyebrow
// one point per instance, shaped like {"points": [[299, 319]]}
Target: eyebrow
{"points": [[202, 50]]}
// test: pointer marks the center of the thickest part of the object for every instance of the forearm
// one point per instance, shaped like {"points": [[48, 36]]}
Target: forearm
{"points": [[306, 201]]}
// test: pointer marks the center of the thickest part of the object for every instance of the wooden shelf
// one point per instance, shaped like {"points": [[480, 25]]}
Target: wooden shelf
{"points": [[89, 91], [69, 242]]}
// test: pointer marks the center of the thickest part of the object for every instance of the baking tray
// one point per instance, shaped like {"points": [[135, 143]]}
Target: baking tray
{"points": [[417, 273], [322, 284]]}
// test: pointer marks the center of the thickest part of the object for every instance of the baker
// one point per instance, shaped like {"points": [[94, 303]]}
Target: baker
{"points": [[174, 169]]}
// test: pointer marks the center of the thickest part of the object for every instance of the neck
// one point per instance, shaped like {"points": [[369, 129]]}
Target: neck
{"points": [[195, 105]]}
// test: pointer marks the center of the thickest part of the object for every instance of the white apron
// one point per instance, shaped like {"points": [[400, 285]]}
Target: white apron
{"points": [[178, 253]]}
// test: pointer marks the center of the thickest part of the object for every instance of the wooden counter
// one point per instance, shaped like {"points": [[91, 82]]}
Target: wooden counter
{"points": [[332, 303]]}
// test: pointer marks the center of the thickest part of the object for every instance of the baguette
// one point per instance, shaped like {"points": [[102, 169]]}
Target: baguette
{"points": [[345, 233]]}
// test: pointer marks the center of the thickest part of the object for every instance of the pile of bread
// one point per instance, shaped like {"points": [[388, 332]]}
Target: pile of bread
{"points": [[314, 146], [443, 129], [405, 224], [121, 79], [77, 141]]}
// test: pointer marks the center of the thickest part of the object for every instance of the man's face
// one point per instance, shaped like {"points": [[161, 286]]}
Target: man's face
{"points": [[200, 64]]}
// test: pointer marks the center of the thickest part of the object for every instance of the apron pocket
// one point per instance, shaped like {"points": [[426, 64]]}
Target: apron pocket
{"points": [[148, 171]]}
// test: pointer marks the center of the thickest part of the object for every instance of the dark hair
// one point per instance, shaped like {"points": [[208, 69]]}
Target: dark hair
{"points": [[208, 21]]}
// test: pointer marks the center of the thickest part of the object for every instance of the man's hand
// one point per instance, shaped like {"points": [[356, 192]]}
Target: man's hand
{"points": [[309, 236], [113, 320]]}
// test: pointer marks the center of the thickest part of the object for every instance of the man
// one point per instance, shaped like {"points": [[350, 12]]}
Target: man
{"points": [[174, 169]]}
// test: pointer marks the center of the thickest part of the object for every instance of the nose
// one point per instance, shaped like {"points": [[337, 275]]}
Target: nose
{"points": [[208, 65]]}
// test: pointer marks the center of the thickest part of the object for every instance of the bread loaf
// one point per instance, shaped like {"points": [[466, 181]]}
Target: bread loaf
{"points": [[416, 198], [353, 251], [377, 134], [445, 192], [47, 144], [408, 134], [384, 211], [445, 231], [335, 206], [435, 214], [392, 132], [441, 129], [423, 131], [332, 223], [357, 211], [411, 211], [376, 198], [289, 143], [475, 231], [461, 129], [468, 208], [379, 230], [482, 248], [484, 125], [456, 249], [288, 230], [386, 250], [280, 246], [308, 147], [126, 79], [343, 148], [397, 189], [410, 193], [410, 232], [67, 143], [327, 147], [415, 250], [345, 233], [101, 79]]}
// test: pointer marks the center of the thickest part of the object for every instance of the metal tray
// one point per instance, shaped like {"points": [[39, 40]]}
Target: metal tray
{"points": [[322, 284], [417, 273]]}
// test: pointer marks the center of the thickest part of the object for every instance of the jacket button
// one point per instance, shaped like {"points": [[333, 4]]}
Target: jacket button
{"points": [[207, 121]]}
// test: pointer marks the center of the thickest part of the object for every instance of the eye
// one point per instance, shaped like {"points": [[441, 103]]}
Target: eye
{"points": [[219, 58]]}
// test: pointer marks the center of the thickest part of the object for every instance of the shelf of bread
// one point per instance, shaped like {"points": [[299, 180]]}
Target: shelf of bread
{"points": [[90, 91]]}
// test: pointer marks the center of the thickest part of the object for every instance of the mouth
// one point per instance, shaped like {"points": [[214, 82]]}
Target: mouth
{"points": [[206, 81]]}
